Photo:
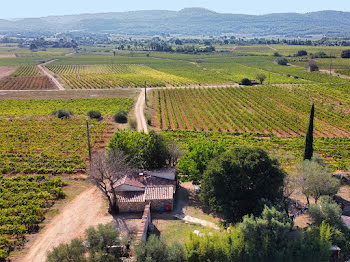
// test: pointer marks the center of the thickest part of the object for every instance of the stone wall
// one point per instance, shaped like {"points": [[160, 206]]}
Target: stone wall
{"points": [[125, 207], [145, 222], [158, 204]]}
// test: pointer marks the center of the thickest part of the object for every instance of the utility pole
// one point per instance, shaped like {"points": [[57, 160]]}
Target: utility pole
{"points": [[146, 92], [330, 65], [88, 141]]}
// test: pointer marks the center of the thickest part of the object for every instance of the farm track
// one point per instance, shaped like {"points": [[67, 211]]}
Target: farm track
{"points": [[49, 74], [139, 114], [84, 211]]}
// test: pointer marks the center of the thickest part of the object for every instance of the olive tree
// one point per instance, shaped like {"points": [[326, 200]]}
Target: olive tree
{"points": [[315, 180]]}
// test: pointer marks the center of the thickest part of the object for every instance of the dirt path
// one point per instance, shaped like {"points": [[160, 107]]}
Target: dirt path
{"points": [[139, 114], [48, 73], [272, 48], [84, 211], [333, 73]]}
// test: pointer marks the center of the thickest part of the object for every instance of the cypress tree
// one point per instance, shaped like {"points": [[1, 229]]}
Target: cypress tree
{"points": [[310, 136]]}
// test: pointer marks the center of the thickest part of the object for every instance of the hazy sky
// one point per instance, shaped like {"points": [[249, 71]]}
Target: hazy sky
{"points": [[37, 8]]}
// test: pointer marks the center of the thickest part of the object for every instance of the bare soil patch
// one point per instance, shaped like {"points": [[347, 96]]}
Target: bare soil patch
{"points": [[7, 55], [69, 94], [6, 70]]}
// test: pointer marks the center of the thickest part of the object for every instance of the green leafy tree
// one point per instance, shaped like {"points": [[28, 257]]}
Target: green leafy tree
{"points": [[265, 238], [144, 151], [261, 78], [197, 157], [239, 181], [310, 136]]}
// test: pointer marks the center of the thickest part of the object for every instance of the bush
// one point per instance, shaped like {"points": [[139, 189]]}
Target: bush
{"points": [[276, 54], [345, 54], [156, 250], [301, 53], [121, 117], [282, 61], [62, 113], [133, 123], [96, 247], [94, 114], [246, 82], [312, 66]]}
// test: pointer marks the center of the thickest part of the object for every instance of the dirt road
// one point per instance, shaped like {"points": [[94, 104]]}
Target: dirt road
{"points": [[140, 116], [48, 73], [84, 211]]}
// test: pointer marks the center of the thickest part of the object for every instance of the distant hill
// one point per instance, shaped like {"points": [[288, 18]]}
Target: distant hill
{"points": [[189, 21]]}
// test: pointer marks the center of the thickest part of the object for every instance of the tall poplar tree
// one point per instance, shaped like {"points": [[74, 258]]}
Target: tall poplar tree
{"points": [[310, 136]]}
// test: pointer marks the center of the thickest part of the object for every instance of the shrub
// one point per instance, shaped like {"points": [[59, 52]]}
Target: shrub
{"points": [[94, 114], [246, 82], [345, 54], [132, 123], [276, 54], [312, 66], [282, 61], [156, 250], [301, 53], [62, 113], [121, 117]]}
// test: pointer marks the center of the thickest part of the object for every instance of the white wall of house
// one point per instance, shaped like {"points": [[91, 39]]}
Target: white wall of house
{"points": [[125, 188]]}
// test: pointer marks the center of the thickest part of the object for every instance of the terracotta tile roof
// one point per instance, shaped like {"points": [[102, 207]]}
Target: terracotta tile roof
{"points": [[131, 180], [151, 193], [157, 181], [131, 197], [159, 193]]}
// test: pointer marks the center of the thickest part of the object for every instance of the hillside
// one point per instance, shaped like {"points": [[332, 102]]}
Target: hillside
{"points": [[189, 21]]}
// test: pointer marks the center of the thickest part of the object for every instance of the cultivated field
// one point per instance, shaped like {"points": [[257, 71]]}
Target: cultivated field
{"points": [[24, 200]]}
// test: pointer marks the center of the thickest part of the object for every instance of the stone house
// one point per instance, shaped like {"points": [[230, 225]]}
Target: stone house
{"points": [[136, 191]]}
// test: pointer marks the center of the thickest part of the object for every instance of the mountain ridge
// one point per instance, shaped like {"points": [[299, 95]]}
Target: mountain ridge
{"points": [[189, 21]]}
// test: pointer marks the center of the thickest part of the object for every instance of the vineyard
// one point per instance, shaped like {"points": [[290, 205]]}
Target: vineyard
{"points": [[24, 200], [113, 76], [46, 145], [26, 78], [336, 150], [266, 110], [44, 107]]}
